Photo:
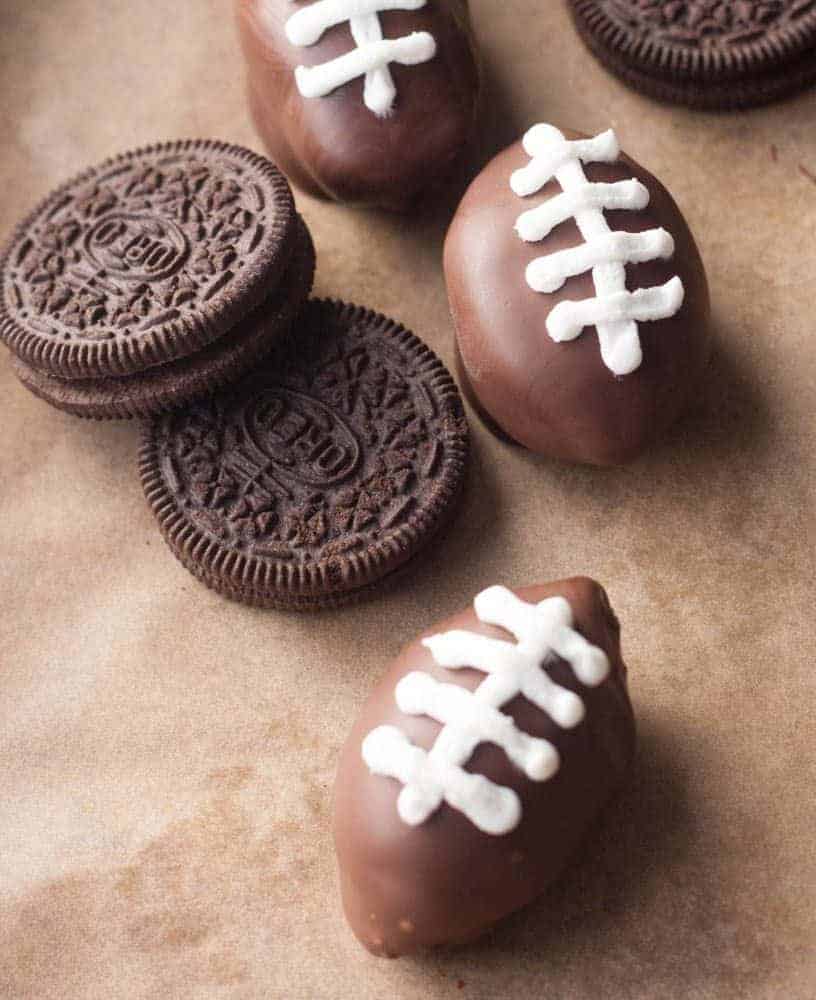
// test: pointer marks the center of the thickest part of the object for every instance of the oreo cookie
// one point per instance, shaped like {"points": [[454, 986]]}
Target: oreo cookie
{"points": [[124, 291], [704, 53], [320, 475], [166, 386]]}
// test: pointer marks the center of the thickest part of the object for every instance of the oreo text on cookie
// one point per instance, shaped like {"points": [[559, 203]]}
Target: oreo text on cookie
{"points": [[140, 248], [302, 434]]}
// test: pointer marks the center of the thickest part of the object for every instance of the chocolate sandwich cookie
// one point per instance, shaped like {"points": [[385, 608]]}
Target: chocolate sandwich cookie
{"points": [[704, 53], [170, 385], [126, 285], [320, 474]]}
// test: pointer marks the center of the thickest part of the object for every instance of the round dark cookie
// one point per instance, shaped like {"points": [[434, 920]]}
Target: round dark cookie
{"points": [[319, 475], [144, 259], [708, 54], [176, 383]]}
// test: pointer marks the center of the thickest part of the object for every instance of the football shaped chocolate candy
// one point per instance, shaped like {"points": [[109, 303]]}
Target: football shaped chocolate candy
{"points": [[579, 298], [367, 101], [478, 763]]}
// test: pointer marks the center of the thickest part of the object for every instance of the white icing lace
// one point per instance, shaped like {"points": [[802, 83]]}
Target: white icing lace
{"points": [[371, 57], [615, 311], [473, 717]]}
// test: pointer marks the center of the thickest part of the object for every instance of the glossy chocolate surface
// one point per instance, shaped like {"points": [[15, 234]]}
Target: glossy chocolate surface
{"points": [[556, 399], [406, 888], [334, 146]]}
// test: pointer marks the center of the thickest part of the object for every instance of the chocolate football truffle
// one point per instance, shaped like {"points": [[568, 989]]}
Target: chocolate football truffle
{"points": [[478, 763], [579, 298], [367, 101]]}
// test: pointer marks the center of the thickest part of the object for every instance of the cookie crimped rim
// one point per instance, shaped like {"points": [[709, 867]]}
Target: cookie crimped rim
{"points": [[199, 381], [759, 56], [307, 602], [265, 577], [181, 336], [725, 95]]}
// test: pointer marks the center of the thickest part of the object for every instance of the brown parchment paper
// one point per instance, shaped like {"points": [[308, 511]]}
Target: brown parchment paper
{"points": [[166, 757]]}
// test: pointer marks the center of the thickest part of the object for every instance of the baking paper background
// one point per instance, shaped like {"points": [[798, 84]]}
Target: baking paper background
{"points": [[166, 757]]}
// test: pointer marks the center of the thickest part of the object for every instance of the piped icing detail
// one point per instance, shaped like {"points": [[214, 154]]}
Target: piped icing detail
{"points": [[615, 311], [543, 631], [372, 55]]}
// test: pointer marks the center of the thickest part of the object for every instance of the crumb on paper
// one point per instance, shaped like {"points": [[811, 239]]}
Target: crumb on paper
{"points": [[809, 174]]}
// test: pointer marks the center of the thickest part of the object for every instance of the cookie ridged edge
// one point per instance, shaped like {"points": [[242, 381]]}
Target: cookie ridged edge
{"points": [[760, 71], [305, 603], [276, 583], [181, 336]]}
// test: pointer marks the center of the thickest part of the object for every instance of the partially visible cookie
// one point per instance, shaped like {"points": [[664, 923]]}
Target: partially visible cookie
{"points": [[166, 386], [706, 54], [319, 475]]}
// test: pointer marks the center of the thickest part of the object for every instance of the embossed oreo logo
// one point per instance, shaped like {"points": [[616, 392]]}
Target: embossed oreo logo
{"points": [[303, 436], [141, 248]]}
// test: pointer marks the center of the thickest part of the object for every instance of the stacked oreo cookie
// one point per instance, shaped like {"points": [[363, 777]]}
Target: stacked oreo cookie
{"points": [[296, 454], [704, 53], [152, 278]]}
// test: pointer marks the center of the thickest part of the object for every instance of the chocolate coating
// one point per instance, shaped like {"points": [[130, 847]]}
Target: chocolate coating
{"points": [[557, 399], [445, 882], [334, 146]]}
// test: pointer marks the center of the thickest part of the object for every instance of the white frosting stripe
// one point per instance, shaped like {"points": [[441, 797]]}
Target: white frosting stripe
{"points": [[429, 780], [539, 222], [472, 720], [379, 91], [370, 58], [550, 151], [512, 672], [317, 81], [548, 274], [306, 26], [469, 718], [614, 311], [568, 319]]}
